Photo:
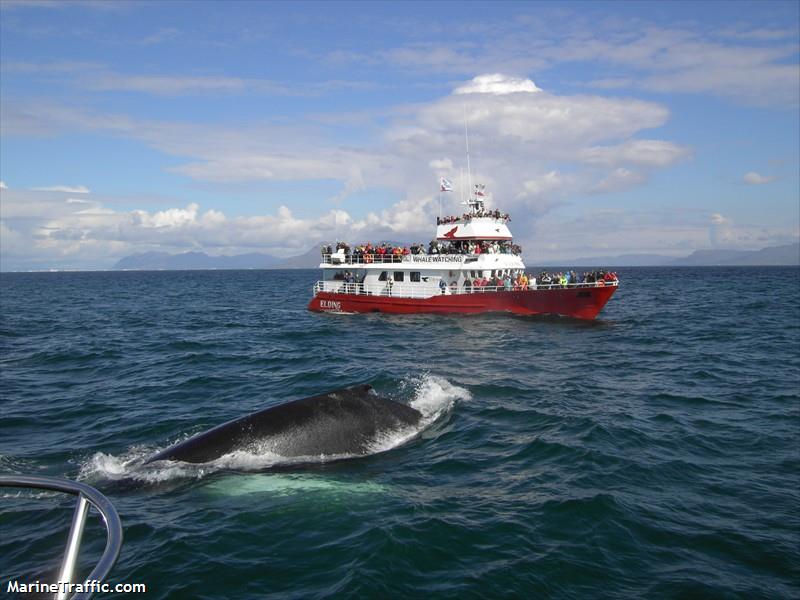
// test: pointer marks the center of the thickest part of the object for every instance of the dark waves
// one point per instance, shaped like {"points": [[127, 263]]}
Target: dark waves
{"points": [[652, 453]]}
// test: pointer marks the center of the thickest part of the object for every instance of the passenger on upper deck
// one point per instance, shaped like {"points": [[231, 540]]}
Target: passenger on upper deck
{"points": [[385, 252], [467, 217]]}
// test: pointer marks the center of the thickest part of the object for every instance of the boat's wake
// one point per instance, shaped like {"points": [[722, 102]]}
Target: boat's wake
{"points": [[434, 397]]}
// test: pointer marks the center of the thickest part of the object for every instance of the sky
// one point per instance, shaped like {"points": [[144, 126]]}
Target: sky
{"points": [[602, 128]]}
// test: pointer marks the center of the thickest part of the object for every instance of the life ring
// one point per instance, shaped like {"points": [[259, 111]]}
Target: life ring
{"points": [[368, 258], [601, 283]]}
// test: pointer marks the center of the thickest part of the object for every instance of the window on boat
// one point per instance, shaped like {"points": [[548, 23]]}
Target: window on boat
{"points": [[382, 276], [398, 275], [415, 276]]}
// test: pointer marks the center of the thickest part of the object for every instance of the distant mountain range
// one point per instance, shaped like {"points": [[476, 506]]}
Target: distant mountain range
{"points": [[788, 255], [774, 255], [157, 261], [623, 260]]}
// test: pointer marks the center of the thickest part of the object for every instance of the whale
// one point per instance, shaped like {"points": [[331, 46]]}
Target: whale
{"points": [[344, 423]]}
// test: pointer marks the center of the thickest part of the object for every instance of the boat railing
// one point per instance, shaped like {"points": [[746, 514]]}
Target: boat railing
{"points": [[87, 496], [466, 218], [355, 258], [400, 290]]}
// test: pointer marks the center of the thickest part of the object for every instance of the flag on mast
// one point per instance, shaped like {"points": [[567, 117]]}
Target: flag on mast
{"points": [[445, 185], [480, 189]]}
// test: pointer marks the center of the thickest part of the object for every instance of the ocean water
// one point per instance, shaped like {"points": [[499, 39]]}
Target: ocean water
{"points": [[652, 453]]}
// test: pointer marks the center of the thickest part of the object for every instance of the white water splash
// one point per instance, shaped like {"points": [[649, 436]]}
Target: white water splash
{"points": [[433, 396], [130, 466], [436, 396]]}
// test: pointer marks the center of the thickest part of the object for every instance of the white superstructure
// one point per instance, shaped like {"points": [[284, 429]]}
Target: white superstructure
{"points": [[475, 246]]}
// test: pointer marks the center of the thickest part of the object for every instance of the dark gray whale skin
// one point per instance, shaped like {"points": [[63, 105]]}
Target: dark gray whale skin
{"points": [[343, 422]]}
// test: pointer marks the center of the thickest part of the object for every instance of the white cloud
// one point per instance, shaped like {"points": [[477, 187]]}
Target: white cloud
{"points": [[3, 185], [94, 4], [75, 232], [97, 77], [755, 66], [618, 180], [759, 34], [60, 67], [78, 189], [723, 234], [164, 84], [44, 226], [688, 60], [648, 153], [509, 134], [171, 218], [165, 34], [497, 83], [441, 164], [530, 148], [753, 178], [514, 134], [673, 232], [611, 83], [539, 119], [543, 184], [718, 219]]}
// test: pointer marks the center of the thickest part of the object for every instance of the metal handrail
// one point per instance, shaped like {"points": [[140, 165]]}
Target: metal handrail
{"points": [[401, 290], [398, 290], [503, 218], [87, 496], [355, 258]]}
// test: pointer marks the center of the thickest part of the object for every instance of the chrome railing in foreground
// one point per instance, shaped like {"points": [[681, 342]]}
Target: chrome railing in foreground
{"points": [[87, 496]]}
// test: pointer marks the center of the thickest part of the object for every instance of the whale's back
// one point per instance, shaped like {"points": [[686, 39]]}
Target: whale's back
{"points": [[345, 422]]}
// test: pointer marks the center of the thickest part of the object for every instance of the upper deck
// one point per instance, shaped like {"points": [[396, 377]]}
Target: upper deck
{"points": [[471, 227], [478, 236], [450, 256]]}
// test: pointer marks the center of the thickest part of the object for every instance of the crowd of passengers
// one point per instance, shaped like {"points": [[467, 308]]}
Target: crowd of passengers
{"points": [[523, 281], [467, 217], [565, 278], [509, 282], [386, 252]]}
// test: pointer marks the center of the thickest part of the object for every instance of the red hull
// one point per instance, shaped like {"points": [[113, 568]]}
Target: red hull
{"points": [[579, 303]]}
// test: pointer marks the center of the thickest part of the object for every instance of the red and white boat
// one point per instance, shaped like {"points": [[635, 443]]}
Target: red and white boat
{"points": [[472, 267]]}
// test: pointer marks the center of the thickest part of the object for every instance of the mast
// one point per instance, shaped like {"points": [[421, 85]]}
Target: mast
{"points": [[466, 138], [461, 187]]}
